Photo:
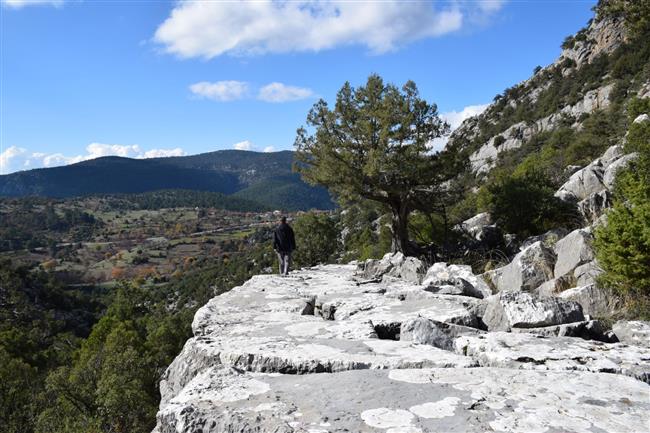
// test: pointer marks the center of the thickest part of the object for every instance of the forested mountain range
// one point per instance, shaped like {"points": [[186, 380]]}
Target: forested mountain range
{"points": [[265, 178]]}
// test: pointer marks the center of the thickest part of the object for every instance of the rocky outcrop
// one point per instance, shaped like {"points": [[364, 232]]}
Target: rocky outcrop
{"points": [[508, 310], [326, 350], [572, 251], [455, 280], [635, 332], [595, 301], [394, 265], [528, 270]]}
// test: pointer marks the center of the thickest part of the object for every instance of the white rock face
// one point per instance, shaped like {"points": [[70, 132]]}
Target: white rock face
{"points": [[583, 183], [612, 169], [459, 279], [633, 332], [528, 270], [595, 301], [572, 251], [261, 361], [508, 310]]}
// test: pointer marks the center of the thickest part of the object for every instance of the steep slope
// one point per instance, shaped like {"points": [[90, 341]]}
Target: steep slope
{"points": [[265, 178], [568, 112]]}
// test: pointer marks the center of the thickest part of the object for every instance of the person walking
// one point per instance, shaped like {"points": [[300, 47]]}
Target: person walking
{"points": [[284, 242]]}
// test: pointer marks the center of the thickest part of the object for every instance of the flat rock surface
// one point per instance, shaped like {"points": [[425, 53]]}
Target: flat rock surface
{"points": [[320, 351]]}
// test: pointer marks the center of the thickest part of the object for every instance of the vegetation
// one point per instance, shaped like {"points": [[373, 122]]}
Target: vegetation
{"points": [[373, 145], [623, 243], [319, 239]]}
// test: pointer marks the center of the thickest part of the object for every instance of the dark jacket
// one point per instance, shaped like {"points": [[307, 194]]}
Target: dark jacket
{"points": [[284, 240]]}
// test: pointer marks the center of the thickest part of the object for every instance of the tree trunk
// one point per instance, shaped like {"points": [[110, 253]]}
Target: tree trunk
{"points": [[399, 226]]}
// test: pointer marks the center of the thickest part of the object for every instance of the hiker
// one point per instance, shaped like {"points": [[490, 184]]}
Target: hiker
{"points": [[284, 243]]}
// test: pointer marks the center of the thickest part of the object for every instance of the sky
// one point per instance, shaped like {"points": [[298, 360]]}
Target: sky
{"points": [[147, 78]]}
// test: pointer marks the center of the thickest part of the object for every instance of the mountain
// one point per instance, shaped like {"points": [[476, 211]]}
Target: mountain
{"points": [[266, 178]]}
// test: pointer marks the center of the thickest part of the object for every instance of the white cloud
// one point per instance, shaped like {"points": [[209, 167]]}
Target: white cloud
{"points": [[93, 150], [8, 155], [269, 149], [243, 145], [220, 90], [163, 153], [455, 118], [17, 4], [211, 28], [279, 92]]}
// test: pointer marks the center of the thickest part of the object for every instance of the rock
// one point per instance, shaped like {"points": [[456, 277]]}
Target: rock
{"points": [[587, 330], [641, 118], [612, 154], [633, 332], [612, 170], [595, 301], [554, 286], [455, 279], [548, 239], [260, 362], [395, 265], [508, 310], [528, 351], [594, 206], [434, 333], [408, 401], [474, 225], [527, 271], [583, 183], [587, 274], [572, 251]]}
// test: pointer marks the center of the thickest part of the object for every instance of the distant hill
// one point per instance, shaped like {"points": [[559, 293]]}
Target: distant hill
{"points": [[265, 178]]}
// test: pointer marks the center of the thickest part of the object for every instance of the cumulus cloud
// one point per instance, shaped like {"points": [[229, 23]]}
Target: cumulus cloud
{"points": [[26, 159], [455, 118], [243, 145], [279, 92], [220, 90], [17, 4], [209, 29], [269, 149], [6, 157]]}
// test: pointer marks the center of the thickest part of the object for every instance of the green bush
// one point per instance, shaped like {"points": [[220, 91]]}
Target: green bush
{"points": [[525, 204], [317, 239]]}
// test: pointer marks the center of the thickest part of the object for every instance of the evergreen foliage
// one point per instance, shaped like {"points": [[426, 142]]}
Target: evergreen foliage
{"points": [[318, 239]]}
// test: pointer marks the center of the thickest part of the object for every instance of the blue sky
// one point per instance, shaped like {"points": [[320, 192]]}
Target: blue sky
{"points": [[82, 79]]}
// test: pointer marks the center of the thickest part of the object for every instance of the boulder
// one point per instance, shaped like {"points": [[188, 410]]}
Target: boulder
{"points": [[395, 265], [587, 330], [432, 332], [548, 239], [633, 332], [595, 301], [527, 271], [612, 154], [641, 118], [595, 205], [475, 224], [587, 274], [583, 183], [572, 251], [508, 310], [612, 170], [455, 280], [555, 286]]}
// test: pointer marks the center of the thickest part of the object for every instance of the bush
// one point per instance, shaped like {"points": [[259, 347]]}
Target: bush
{"points": [[525, 204], [317, 239]]}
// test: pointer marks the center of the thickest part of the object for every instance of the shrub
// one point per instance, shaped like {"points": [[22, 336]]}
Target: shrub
{"points": [[525, 204], [317, 239]]}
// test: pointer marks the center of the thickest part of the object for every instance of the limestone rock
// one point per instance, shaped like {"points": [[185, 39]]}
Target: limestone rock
{"points": [[508, 310], [595, 301], [583, 183], [572, 251], [612, 170], [528, 270], [594, 206], [456, 280], [641, 118], [474, 225], [633, 332], [555, 286], [434, 333], [587, 330], [395, 265], [548, 239], [528, 351], [587, 274]]}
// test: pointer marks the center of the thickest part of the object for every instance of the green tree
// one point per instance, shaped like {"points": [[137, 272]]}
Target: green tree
{"points": [[373, 145], [525, 204], [318, 239]]}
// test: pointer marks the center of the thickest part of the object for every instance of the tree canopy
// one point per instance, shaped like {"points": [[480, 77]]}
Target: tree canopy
{"points": [[375, 144]]}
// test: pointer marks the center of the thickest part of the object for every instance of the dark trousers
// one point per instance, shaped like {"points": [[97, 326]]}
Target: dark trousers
{"points": [[285, 262]]}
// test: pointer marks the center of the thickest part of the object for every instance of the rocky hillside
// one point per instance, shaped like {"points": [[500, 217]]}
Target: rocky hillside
{"points": [[569, 111], [390, 346]]}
